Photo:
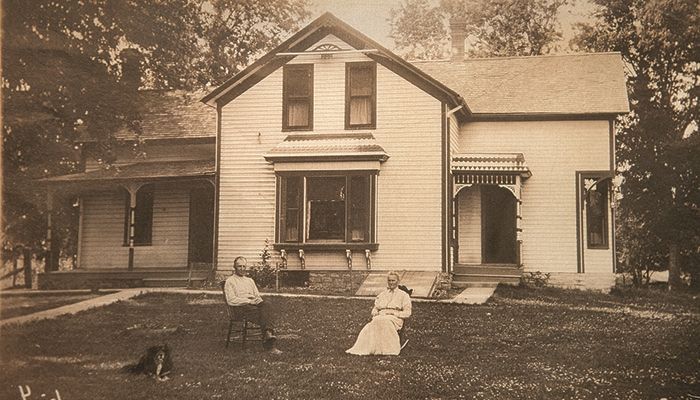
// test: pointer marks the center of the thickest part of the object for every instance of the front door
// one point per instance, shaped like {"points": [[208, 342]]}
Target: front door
{"points": [[498, 212]]}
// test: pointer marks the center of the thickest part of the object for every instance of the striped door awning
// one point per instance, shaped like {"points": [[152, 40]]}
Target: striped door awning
{"points": [[489, 168]]}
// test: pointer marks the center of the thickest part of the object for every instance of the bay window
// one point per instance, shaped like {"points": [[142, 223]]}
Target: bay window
{"points": [[325, 209]]}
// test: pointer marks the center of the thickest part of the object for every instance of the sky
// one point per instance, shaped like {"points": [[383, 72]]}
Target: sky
{"points": [[371, 17]]}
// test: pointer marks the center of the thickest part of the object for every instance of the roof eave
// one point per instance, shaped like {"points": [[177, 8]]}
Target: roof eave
{"points": [[357, 40]]}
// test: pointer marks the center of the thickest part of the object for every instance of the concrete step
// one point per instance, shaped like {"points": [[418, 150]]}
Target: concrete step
{"points": [[487, 269], [485, 278], [484, 284]]}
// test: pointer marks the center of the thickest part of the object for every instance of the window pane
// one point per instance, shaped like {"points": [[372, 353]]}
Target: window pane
{"points": [[359, 209], [361, 81], [360, 110], [298, 82], [297, 113], [596, 214], [291, 212], [326, 208]]}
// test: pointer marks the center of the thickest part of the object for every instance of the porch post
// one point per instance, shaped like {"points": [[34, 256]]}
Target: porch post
{"points": [[132, 221], [518, 222], [132, 188]]}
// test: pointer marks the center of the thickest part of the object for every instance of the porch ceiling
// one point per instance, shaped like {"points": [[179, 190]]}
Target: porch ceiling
{"points": [[490, 163], [142, 171]]}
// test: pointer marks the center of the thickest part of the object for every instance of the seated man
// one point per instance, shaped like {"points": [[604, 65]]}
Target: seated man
{"points": [[380, 336], [242, 292]]}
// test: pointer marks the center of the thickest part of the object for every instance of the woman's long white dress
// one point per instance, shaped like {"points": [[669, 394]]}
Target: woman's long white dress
{"points": [[380, 336]]}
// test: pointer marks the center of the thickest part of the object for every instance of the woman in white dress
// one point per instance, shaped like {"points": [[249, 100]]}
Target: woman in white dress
{"points": [[380, 336]]}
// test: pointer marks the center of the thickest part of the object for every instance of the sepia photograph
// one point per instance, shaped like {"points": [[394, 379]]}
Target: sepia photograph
{"points": [[350, 199]]}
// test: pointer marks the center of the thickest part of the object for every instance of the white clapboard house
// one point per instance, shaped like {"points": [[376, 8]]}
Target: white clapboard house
{"points": [[345, 156]]}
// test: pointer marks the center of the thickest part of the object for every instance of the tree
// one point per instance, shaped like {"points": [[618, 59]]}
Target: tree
{"points": [[658, 143], [419, 30], [493, 28], [73, 68]]}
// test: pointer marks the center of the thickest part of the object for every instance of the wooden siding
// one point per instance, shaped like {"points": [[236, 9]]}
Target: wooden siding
{"points": [[103, 231], [469, 200], [408, 194], [154, 152], [169, 247], [554, 151]]}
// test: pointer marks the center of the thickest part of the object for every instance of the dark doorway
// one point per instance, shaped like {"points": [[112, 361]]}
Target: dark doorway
{"points": [[201, 224], [498, 213]]}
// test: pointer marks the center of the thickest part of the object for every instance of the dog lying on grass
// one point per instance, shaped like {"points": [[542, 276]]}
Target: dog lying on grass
{"points": [[156, 362]]}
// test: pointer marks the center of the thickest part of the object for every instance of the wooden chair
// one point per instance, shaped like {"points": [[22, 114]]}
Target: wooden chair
{"points": [[239, 326], [403, 332]]}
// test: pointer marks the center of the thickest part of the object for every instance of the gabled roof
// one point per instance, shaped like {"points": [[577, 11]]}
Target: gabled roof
{"points": [[356, 146], [322, 26], [143, 170], [582, 84], [172, 114]]}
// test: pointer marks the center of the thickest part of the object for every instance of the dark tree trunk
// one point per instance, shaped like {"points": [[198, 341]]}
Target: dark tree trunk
{"points": [[674, 269]]}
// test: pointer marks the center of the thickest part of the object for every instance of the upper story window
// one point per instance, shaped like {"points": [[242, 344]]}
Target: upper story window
{"points": [[360, 95], [298, 97]]}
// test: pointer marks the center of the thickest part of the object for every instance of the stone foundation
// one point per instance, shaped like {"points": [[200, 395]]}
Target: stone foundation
{"points": [[602, 282], [337, 281]]}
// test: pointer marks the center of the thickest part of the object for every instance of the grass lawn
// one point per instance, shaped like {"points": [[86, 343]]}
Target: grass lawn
{"points": [[16, 305], [524, 343]]}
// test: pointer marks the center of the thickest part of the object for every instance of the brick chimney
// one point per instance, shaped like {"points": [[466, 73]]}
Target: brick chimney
{"points": [[459, 35], [132, 61]]}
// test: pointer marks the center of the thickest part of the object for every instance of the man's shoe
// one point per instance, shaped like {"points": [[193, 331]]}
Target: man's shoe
{"points": [[275, 350]]}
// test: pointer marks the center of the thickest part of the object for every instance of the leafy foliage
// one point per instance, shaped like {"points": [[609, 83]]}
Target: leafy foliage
{"points": [[262, 272], [69, 73], [419, 30], [658, 142], [493, 28], [535, 279]]}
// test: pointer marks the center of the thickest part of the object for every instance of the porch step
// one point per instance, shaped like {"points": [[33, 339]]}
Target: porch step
{"points": [[488, 269], [479, 275]]}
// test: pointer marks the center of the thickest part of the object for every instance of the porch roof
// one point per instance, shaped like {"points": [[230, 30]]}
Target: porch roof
{"points": [[490, 163], [328, 146], [141, 171]]}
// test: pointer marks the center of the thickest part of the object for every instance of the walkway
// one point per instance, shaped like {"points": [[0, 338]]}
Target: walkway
{"points": [[477, 295]]}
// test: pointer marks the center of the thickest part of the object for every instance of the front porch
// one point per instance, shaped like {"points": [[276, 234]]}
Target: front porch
{"points": [[487, 204], [142, 224]]}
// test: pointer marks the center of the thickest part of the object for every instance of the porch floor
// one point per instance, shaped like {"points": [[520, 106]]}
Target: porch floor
{"points": [[121, 278]]}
